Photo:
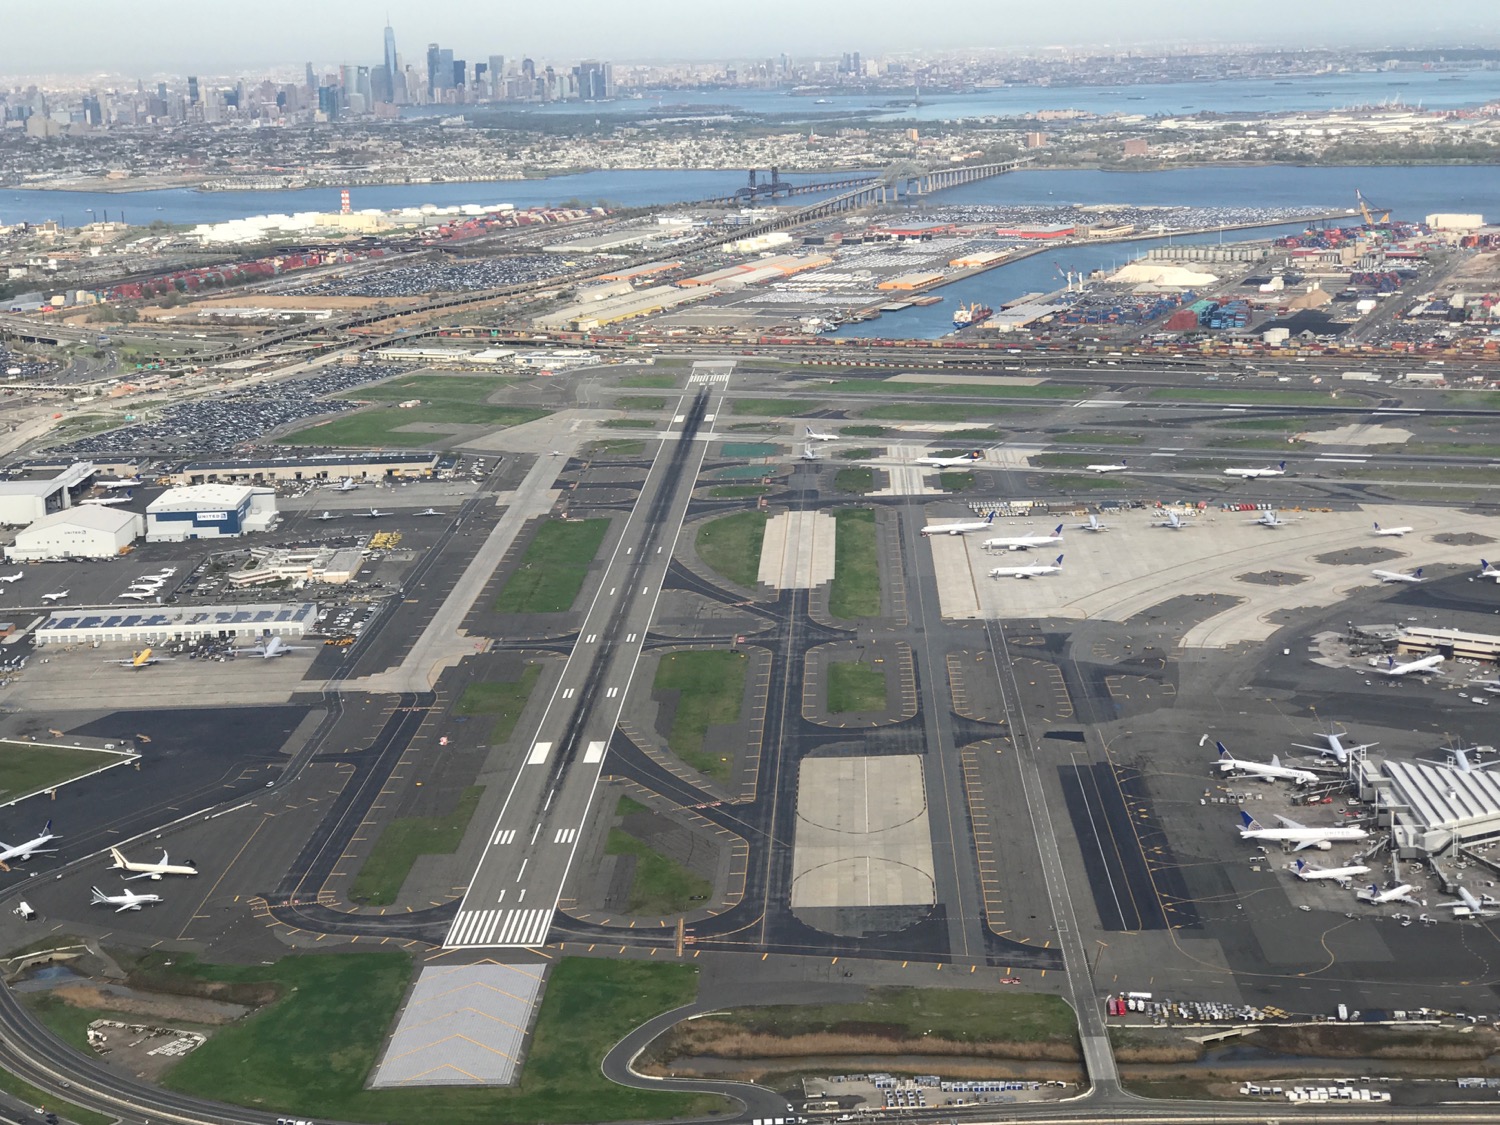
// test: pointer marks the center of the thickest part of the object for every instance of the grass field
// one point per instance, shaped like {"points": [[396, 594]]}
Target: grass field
{"points": [[710, 689], [731, 546], [855, 686], [855, 590], [1097, 437], [775, 407], [402, 841], [978, 433], [942, 411], [856, 481], [748, 449], [630, 423], [310, 1052], [1284, 422], [1249, 395], [1451, 448], [1063, 460], [650, 382], [958, 387], [956, 481], [1089, 482], [28, 768], [955, 1015], [553, 568], [452, 400], [503, 700], [641, 402], [659, 885], [855, 454]]}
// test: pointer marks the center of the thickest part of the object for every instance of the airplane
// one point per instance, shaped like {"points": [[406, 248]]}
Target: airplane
{"points": [[813, 435], [1397, 576], [137, 595], [947, 462], [376, 513], [142, 659], [1398, 531], [106, 501], [1376, 897], [166, 571], [1033, 570], [111, 485], [1279, 471], [1174, 521], [56, 596], [1308, 874], [125, 900], [1335, 748], [1093, 525], [429, 512], [347, 484], [10, 854], [275, 646], [9, 578], [148, 870], [1488, 571], [1275, 771], [1270, 519], [1422, 666], [328, 516], [147, 585], [1477, 907], [1025, 542], [810, 454], [1303, 835], [1120, 468], [960, 528]]}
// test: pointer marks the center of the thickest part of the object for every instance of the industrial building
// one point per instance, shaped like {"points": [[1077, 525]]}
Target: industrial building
{"points": [[314, 564], [91, 531], [209, 511], [643, 302], [159, 625], [320, 467], [26, 501]]}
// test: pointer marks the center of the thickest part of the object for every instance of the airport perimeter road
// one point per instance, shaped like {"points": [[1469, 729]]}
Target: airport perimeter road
{"points": [[513, 893]]}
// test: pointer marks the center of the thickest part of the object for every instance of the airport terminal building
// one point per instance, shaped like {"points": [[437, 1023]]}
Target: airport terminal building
{"points": [[1432, 807], [159, 625], [209, 511]]}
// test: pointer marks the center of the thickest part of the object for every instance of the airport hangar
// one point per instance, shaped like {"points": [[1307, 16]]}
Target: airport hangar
{"points": [[318, 467], [209, 511], [89, 531], [25, 501], [159, 625]]}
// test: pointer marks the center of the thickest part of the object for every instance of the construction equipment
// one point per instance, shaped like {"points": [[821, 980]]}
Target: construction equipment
{"points": [[1368, 215]]}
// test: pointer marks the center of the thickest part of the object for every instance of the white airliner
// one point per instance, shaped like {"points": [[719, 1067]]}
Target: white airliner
{"points": [[328, 516], [1397, 531], [1477, 907], [1309, 874], [9, 578], [376, 513], [1376, 897], [947, 462], [166, 571], [147, 870], [56, 595], [1093, 525], [271, 649], [1269, 519], [348, 484], [111, 485], [1034, 570], [1024, 542], [1275, 771], [15, 853], [1398, 576], [1279, 471], [962, 528], [1120, 468], [125, 900], [1488, 571], [813, 435], [146, 585], [429, 512], [1428, 664], [1174, 521], [137, 595], [810, 454], [1303, 835], [105, 501], [1335, 748]]}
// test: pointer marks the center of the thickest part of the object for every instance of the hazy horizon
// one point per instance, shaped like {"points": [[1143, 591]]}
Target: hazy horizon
{"points": [[217, 38]]}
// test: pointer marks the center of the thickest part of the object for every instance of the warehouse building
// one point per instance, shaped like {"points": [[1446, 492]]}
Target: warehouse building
{"points": [[315, 467], [209, 511], [26, 501], [90, 531], [156, 626]]}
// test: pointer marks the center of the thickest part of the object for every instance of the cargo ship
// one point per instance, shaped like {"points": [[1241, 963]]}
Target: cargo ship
{"points": [[970, 315]]}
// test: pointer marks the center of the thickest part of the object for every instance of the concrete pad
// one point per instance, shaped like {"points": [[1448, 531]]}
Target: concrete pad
{"points": [[862, 834], [464, 1025], [1136, 566], [798, 550], [906, 478], [1358, 433], [956, 575]]}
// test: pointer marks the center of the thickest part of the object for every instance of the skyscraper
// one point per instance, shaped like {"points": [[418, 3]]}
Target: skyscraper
{"points": [[497, 76], [433, 56], [192, 91], [387, 92]]}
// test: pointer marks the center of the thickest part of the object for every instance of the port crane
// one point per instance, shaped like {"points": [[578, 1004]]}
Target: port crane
{"points": [[1368, 215]]}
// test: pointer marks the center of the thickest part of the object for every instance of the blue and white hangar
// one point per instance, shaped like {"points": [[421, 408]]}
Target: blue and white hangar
{"points": [[209, 511]]}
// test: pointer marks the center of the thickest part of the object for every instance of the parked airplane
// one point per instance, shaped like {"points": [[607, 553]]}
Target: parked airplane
{"points": [[1308, 874], [137, 595], [376, 513], [947, 462], [327, 516], [1335, 748], [961, 528], [147, 585], [813, 435], [1398, 531], [1303, 835], [147, 870], [1477, 907], [56, 596], [1120, 468], [1488, 571], [142, 659], [810, 454], [1422, 666], [1024, 542], [1398, 576], [125, 900], [111, 485], [1093, 525], [105, 501], [167, 571], [1279, 471], [1034, 570], [1275, 771], [9, 578], [273, 647], [1174, 521], [429, 512], [348, 484], [13, 854], [1269, 519], [1376, 897]]}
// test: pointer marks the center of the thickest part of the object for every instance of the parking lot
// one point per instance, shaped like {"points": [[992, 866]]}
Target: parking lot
{"points": [[442, 277]]}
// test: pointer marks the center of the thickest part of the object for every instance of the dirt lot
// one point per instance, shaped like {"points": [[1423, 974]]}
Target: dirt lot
{"points": [[117, 998]]}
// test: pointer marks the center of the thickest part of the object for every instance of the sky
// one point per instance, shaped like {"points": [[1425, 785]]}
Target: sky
{"points": [[230, 36]]}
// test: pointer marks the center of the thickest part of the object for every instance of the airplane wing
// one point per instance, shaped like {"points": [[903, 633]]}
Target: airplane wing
{"points": [[128, 906], [1288, 822]]}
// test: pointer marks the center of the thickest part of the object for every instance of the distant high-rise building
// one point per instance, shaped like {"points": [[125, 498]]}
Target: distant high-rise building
{"points": [[528, 70], [434, 54], [592, 84], [387, 91], [328, 102], [497, 76], [445, 69], [479, 72], [460, 74], [192, 91], [857, 67], [309, 79]]}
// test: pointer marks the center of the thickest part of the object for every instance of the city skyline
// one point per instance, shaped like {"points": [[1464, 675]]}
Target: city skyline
{"points": [[342, 31]]}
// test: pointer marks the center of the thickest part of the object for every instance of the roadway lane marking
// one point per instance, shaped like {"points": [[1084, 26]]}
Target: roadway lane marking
{"points": [[521, 872], [631, 637], [591, 638], [595, 751], [611, 591], [539, 753], [535, 832], [611, 693], [504, 836], [565, 836], [568, 693]]}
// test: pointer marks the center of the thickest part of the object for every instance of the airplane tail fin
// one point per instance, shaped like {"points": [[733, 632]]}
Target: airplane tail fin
{"points": [[99, 896], [1377, 525], [1059, 561], [47, 828], [1417, 573], [1057, 530], [1248, 823], [1276, 761], [1300, 866], [976, 455], [1223, 750], [989, 519], [1484, 565], [118, 858], [1282, 466]]}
